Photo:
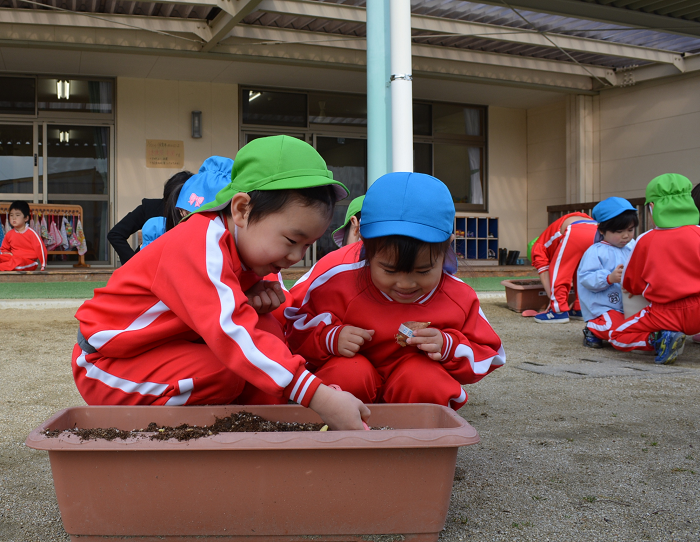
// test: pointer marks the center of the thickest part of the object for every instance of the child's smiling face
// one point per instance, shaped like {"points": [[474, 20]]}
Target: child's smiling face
{"points": [[619, 238], [280, 239], [406, 287]]}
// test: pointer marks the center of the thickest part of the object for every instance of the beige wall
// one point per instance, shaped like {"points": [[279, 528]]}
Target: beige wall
{"points": [[546, 164], [647, 130], [156, 109], [507, 133]]}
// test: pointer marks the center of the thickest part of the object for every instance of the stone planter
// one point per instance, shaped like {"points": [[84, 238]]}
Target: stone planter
{"points": [[338, 485]]}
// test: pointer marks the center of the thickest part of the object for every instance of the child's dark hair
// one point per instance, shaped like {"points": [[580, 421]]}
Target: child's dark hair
{"points": [[695, 193], [357, 215], [21, 206], [620, 222], [404, 249], [268, 202], [171, 191]]}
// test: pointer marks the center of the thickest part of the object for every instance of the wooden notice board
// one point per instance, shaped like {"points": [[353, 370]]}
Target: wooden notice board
{"points": [[164, 153]]}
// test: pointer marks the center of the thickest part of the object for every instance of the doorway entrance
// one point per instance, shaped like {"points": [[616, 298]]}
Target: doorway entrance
{"points": [[61, 163]]}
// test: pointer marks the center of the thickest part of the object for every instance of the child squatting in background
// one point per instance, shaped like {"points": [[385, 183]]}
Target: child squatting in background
{"points": [[175, 326], [556, 254], [600, 270], [347, 324], [22, 249], [664, 268]]}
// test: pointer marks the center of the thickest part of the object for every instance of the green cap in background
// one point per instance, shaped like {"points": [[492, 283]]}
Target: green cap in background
{"points": [[529, 248], [276, 163], [354, 208], [673, 204]]}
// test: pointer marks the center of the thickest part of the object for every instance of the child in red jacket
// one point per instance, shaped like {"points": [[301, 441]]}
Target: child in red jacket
{"points": [[664, 268], [556, 254], [22, 249], [176, 326], [350, 317]]}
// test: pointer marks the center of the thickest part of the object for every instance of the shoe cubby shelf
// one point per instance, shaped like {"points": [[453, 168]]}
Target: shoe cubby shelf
{"points": [[476, 237]]}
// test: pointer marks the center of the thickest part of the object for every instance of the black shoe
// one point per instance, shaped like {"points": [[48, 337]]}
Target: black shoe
{"points": [[590, 340]]}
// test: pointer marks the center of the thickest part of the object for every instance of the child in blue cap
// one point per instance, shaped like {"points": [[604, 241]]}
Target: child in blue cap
{"points": [[396, 327], [600, 270], [198, 190]]}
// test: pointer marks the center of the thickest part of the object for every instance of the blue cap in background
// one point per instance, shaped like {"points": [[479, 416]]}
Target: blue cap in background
{"points": [[610, 208], [202, 187], [411, 204]]}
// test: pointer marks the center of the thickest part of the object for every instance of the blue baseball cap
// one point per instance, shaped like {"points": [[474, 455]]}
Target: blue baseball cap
{"points": [[610, 208], [202, 187], [411, 204]]}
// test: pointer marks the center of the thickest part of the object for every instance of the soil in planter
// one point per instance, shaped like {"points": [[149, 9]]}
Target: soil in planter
{"points": [[526, 282], [235, 423]]}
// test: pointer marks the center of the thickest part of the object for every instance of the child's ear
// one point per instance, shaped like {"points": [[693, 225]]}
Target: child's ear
{"points": [[240, 209], [452, 237]]}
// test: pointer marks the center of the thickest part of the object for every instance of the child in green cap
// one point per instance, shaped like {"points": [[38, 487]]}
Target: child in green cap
{"points": [[664, 268], [187, 321]]}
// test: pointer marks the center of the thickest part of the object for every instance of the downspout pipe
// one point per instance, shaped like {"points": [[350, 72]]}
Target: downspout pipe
{"points": [[401, 86]]}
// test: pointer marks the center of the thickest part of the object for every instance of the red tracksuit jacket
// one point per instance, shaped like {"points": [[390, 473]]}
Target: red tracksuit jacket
{"points": [[547, 243], [665, 265], [27, 249], [189, 284], [340, 297]]}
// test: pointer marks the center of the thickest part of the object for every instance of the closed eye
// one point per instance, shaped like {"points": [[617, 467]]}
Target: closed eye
{"points": [[291, 241]]}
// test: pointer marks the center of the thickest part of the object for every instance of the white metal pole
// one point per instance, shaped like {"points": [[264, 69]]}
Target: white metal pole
{"points": [[401, 86]]}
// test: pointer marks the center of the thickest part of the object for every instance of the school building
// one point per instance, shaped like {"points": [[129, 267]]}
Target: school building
{"points": [[517, 105]]}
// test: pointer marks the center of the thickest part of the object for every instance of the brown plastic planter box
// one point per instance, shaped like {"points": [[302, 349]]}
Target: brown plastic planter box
{"points": [[524, 295], [284, 487]]}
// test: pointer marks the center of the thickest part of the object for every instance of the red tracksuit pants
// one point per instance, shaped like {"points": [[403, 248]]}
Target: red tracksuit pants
{"points": [[175, 373], [562, 268], [606, 322], [682, 315], [17, 263], [412, 378]]}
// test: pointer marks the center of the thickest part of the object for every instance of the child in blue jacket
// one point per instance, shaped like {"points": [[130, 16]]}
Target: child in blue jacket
{"points": [[600, 270]]}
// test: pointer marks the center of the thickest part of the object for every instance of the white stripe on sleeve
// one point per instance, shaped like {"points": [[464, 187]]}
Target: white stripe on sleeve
{"points": [[239, 334], [99, 339]]}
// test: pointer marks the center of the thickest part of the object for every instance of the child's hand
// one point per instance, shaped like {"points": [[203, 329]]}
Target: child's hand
{"points": [[265, 296], [351, 339], [429, 340], [616, 276], [341, 410]]}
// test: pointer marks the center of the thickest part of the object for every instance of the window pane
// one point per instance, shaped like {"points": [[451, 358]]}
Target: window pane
{"points": [[17, 95], [423, 158], [459, 167], [455, 119], [78, 160], [75, 95], [16, 159], [422, 124], [338, 109], [273, 108], [95, 228], [347, 159]]}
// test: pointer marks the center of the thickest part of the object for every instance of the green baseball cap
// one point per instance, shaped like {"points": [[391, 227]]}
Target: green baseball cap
{"points": [[673, 204], [276, 163], [354, 208]]}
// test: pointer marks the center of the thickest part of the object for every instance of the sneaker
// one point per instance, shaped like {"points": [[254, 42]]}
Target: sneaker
{"points": [[551, 317], [575, 315], [590, 340], [668, 345]]}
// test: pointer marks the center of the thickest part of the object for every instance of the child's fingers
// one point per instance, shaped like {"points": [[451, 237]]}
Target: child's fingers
{"points": [[256, 302], [430, 347], [278, 292], [365, 334], [435, 356]]}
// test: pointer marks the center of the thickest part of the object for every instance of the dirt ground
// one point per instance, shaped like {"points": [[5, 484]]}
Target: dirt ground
{"points": [[577, 444]]}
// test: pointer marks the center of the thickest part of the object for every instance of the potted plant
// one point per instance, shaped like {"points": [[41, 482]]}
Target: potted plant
{"points": [[334, 485]]}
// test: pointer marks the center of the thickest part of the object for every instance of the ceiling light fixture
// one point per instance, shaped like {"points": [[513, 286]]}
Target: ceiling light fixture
{"points": [[63, 89]]}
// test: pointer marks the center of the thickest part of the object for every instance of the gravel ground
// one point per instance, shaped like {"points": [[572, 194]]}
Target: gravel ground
{"points": [[563, 457]]}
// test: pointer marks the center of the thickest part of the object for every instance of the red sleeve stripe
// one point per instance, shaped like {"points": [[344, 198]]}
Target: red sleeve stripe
{"points": [[303, 382]]}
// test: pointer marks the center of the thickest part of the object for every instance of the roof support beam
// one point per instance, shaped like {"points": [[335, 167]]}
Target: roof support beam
{"points": [[271, 36], [226, 20], [106, 21], [607, 14], [465, 28]]}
